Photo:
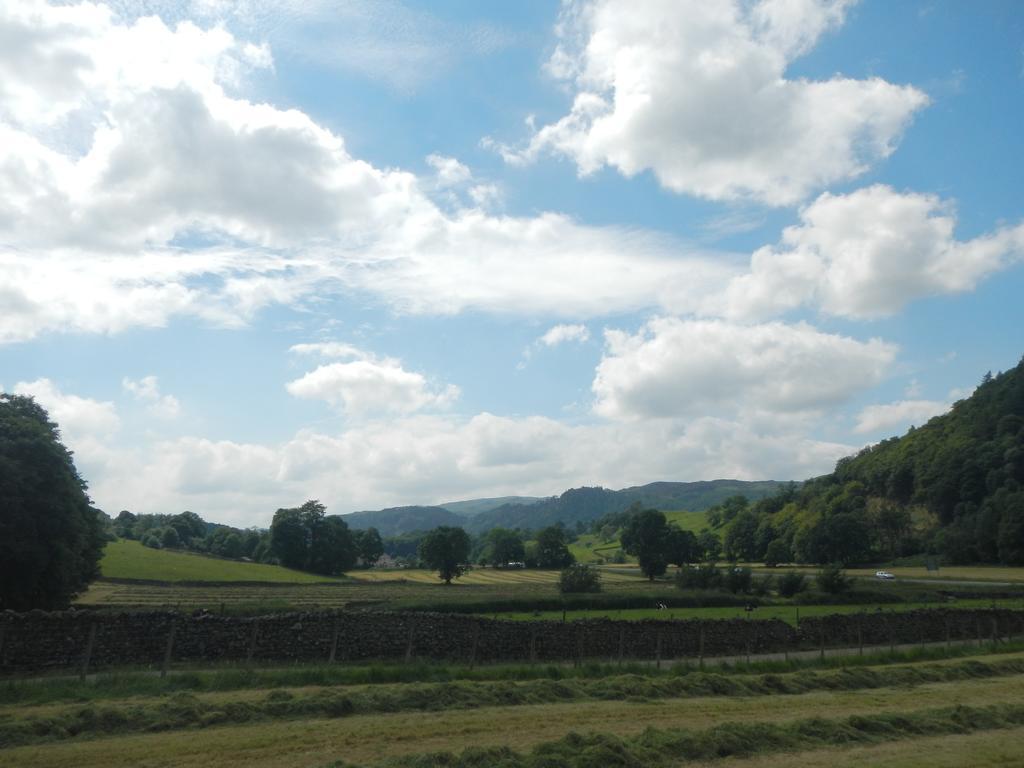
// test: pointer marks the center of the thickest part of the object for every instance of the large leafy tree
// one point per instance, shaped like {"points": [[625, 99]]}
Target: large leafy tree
{"points": [[446, 550], [646, 536], [51, 538], [305, 539], [369, 546], [504, 546], [552, 548]]}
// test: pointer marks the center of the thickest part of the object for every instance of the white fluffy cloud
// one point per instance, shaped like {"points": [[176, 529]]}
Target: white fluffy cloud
{"points": [[423, 459], [559, 334], [697, 92], [368, 385], [77, 417], [867, 254], [137, 184], [449, 171], [892, 417], [147, 390], [675, 367]]}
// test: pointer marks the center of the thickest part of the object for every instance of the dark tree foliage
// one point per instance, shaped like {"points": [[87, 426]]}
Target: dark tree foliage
{"points": [[741, 538], [51, 538], [303, 538], [553, 548], [579, 578], [792, 583], [682, 547], [710, 545], [777, 552], [446, 550], [369, 546], [646, 538], [503, 546], [832, 581]]}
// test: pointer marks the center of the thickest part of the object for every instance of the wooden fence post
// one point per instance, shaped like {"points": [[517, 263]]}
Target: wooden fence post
{"points": [[948, 643], [334, 642], [700, 652], [995, 631], [168, 650], [252, 641], [657, 652], [408, 644], [88, 651]]}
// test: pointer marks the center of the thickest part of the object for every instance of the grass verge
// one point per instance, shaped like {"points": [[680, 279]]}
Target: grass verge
{"points": [[185, 710], [655, 748]]}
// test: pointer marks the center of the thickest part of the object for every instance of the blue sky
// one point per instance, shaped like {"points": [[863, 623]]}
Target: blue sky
{"points": [[383, 253]]}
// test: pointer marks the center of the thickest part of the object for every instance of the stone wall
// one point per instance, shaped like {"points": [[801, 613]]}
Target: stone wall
{"points": [[37, 641]]}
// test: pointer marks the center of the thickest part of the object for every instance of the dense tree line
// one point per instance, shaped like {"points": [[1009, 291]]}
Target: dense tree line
{"points": [[952, 489], [51, 537]]}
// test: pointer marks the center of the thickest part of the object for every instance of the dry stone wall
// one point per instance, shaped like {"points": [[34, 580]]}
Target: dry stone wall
{"points": [[38, 641]]}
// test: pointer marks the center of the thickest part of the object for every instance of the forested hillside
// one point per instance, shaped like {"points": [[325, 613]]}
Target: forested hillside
{"points": [[582, 505], [397, 521], [951, 488]]}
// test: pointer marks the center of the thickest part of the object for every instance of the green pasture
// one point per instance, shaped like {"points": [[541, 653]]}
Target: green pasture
{"points": [[787, 613], [958, 573], [619, 718], [125, 559], [592, 548], [688, 521]]}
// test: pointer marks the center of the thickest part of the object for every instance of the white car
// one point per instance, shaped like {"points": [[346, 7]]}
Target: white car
{"points": [[884, 575]]}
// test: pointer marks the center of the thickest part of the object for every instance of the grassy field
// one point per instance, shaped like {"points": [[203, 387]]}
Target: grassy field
{"points": [[688, 521], [787, 613], [398, 587], [966, 573], [846, 716], [124, 559], [592, 548]]}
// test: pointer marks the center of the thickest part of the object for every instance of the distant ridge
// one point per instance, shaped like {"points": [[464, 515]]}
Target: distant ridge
{"points": [[575, 504], [476, 506]]}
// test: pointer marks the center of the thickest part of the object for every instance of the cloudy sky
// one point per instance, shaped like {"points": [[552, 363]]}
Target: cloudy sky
{"points": [[380, 252]]}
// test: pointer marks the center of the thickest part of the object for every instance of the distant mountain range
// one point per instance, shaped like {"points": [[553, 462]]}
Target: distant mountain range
{"points": [[576, 504]]}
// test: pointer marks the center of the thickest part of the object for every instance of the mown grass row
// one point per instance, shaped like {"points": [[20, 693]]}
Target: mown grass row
{"points": [[185, 710], [124, 684], [657, 748]]}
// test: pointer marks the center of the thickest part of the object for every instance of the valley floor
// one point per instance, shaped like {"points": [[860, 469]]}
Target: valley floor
{"points": [[962, 711]]}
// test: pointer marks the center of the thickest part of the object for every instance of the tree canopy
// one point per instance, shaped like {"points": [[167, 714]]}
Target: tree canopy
{"points": [[646, 536], [51, 537], [446, 550], [305, 539], [553, 548]]}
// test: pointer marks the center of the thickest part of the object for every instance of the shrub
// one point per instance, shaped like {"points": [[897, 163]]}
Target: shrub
{"points": [[792, 583], [776, 553], [704, 577], [763, 587], [738, 580], [579, 578], [832, 580]]}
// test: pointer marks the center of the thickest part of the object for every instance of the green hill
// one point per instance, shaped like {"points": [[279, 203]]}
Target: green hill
{"points": [[125, 559], [586, 504], [951, 490]]}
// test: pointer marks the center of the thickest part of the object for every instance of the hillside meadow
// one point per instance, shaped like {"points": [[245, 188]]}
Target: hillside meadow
{"points": [[654, 718], [127, 559]]}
